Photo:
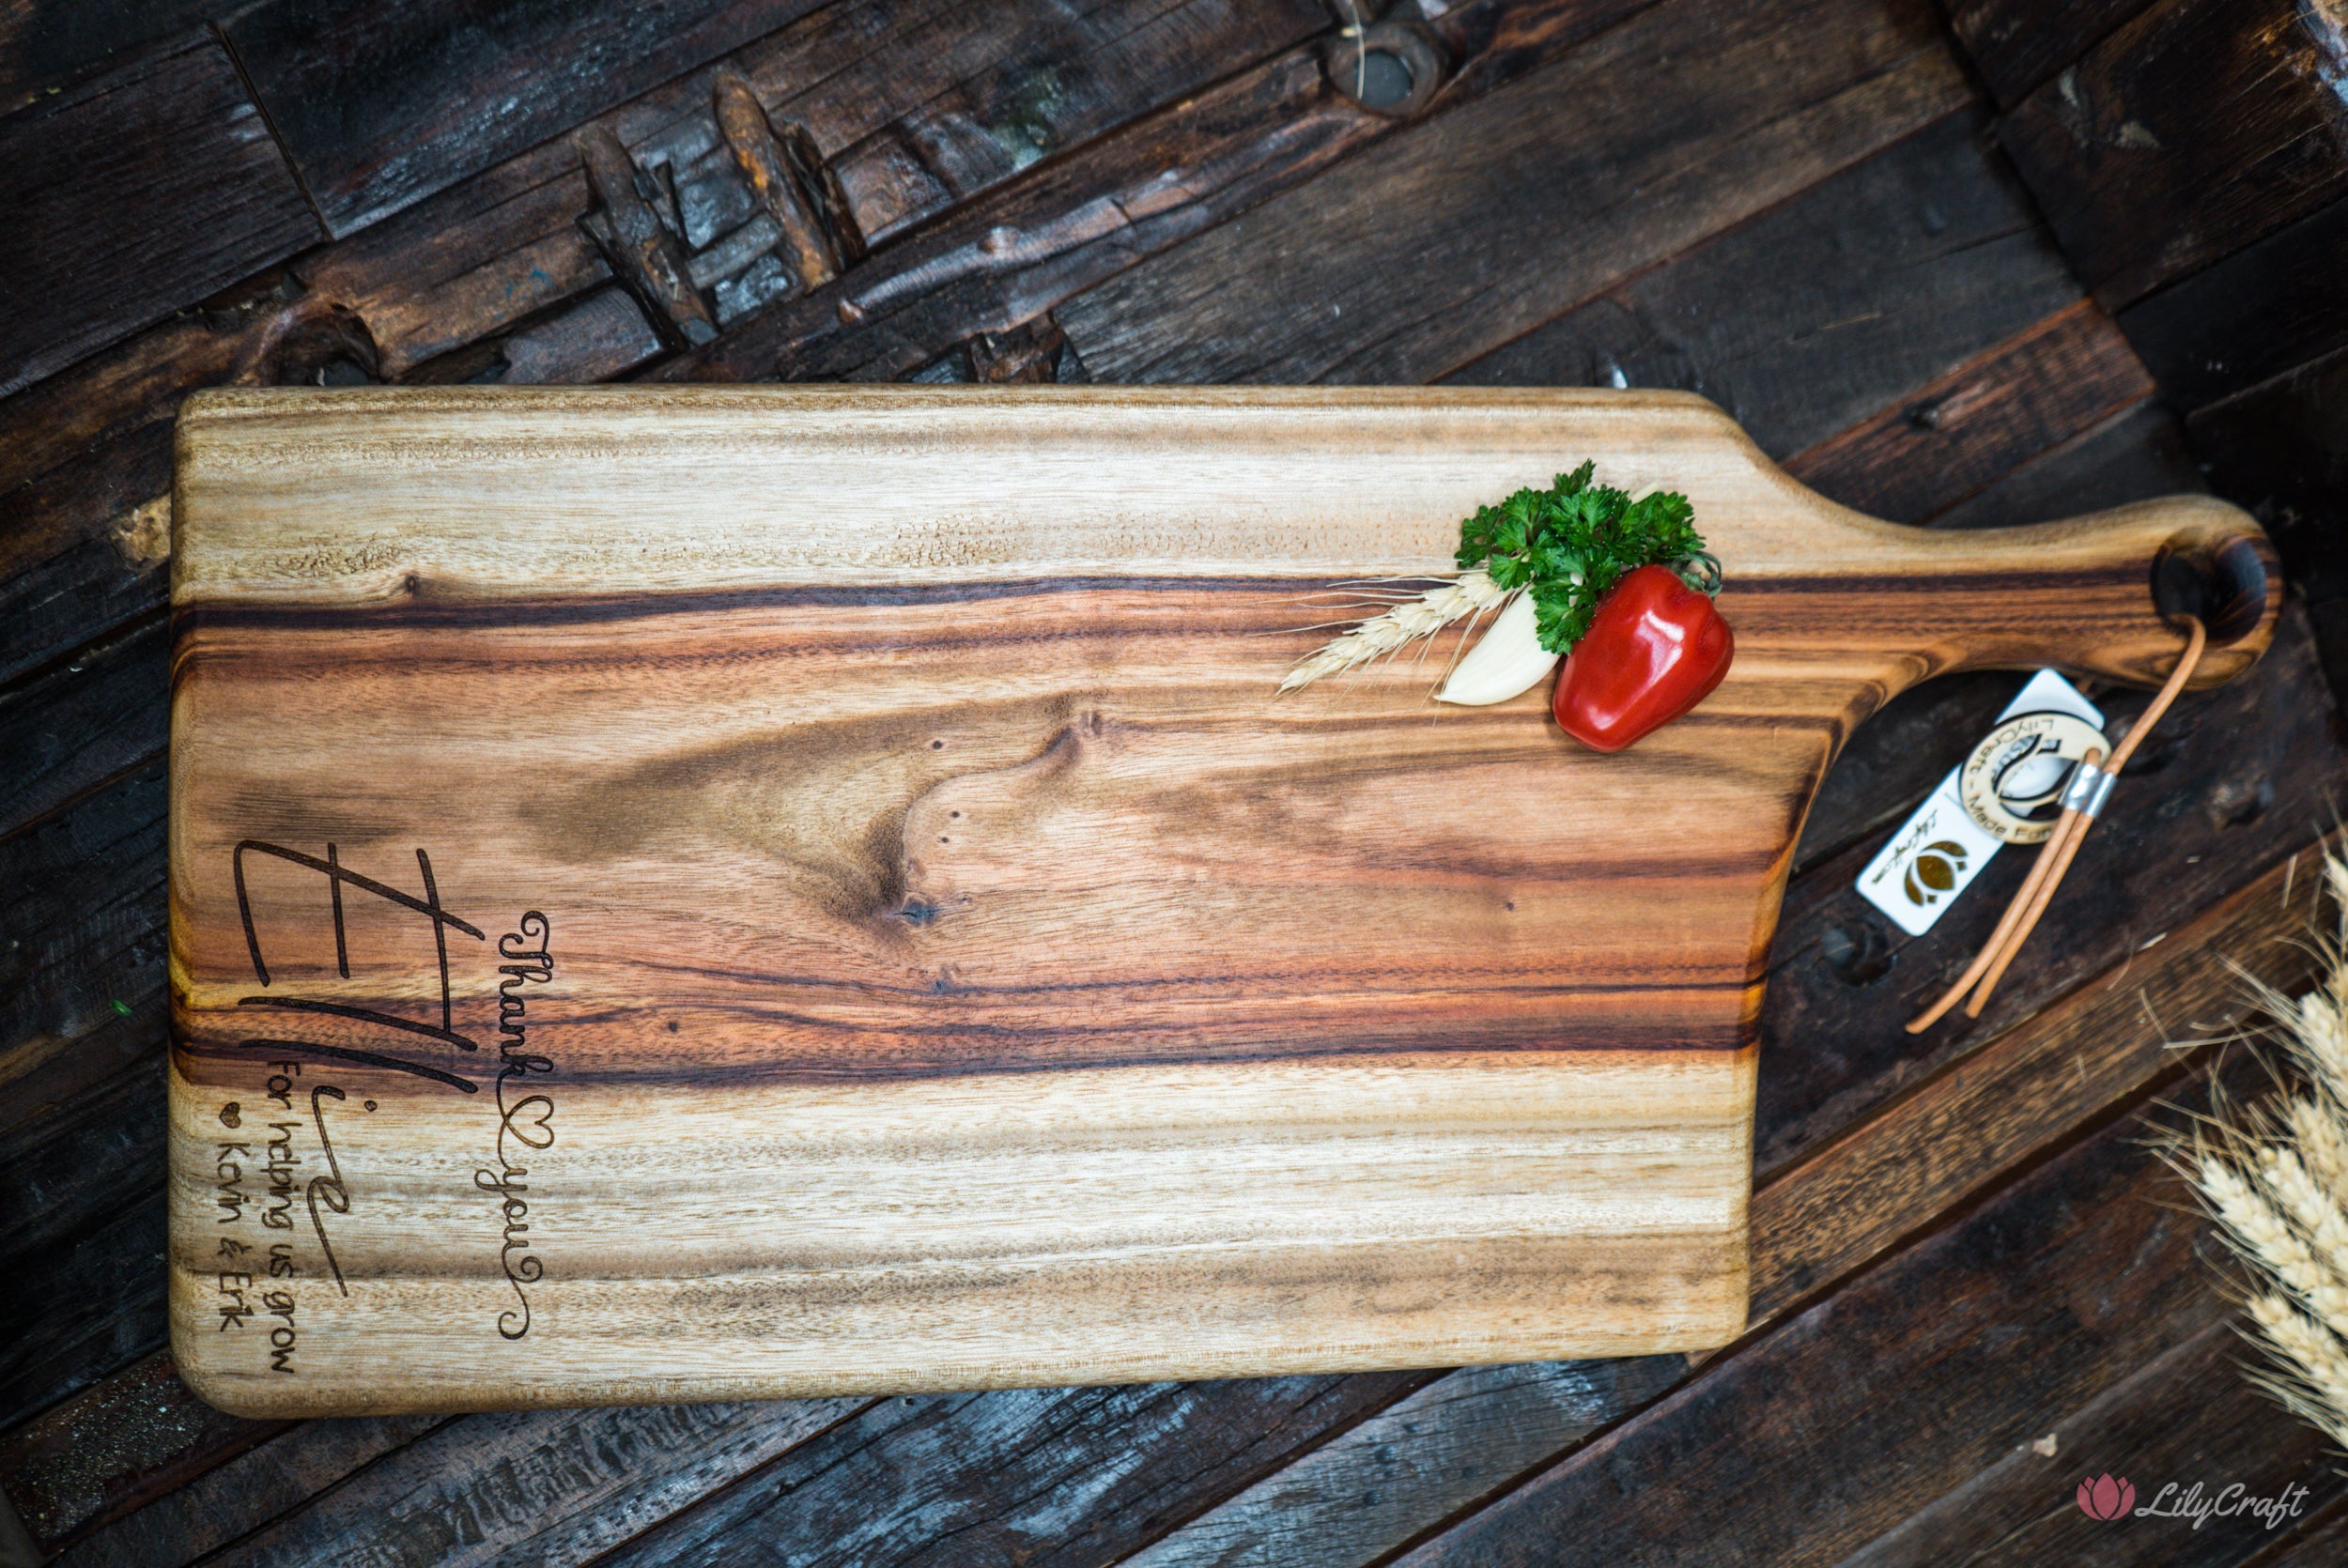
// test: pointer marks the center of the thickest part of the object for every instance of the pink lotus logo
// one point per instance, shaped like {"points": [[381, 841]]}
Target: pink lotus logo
{"points": [[2106, 1499]]}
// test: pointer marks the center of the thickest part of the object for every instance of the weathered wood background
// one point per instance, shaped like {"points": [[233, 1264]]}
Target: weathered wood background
{"points": [[1994, 263]]}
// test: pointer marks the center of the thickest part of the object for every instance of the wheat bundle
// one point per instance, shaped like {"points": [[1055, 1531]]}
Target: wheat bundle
{"points": [[2274, 1175]]}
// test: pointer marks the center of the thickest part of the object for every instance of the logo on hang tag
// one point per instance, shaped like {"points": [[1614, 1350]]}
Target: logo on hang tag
{"points": [[1934, 856], [2007, 791], [2012, 783]]}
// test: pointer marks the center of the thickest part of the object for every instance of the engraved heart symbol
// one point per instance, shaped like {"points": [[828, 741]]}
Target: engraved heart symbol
{"points": [[535, 1129]]}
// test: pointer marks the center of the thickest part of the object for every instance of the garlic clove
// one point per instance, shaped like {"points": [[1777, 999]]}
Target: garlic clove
{"points": [[1507, 660]]}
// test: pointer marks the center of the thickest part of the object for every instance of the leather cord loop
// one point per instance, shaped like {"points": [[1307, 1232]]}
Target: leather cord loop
{"points": [[2082, 802]]}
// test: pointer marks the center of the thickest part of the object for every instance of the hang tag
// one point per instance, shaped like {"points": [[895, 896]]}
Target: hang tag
{"points": [[1939, 850]]}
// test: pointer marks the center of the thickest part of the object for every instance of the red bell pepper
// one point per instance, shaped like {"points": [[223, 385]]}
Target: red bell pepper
{"points": [[1654, 648]]}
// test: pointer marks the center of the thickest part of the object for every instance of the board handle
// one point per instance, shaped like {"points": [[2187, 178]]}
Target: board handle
{"points": [[2102, 595]]}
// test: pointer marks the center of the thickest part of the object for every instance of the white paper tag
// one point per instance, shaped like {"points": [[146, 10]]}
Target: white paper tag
{"points": [[1938, 852]]}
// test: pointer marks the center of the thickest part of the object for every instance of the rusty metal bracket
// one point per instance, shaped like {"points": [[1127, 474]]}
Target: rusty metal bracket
{"points": [[786, 172], [644, 252]]}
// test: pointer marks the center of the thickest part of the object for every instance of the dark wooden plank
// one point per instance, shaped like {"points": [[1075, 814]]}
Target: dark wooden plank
{"points": [[1081, 219], [45, 46], [1099, 211], [1029, 87], [2134, 456], [242, 335], [84, 1206], [965, 1478], [134, 195], [879, 88], [2266, 308], [380, 104], [82, 550], [2050, 382], [247, 1492], [1418, 1461], [2281, 448], [601, 337], [562, 1484], [1801, 322], [44, 1074], [2320, 1546], [135, 1436], [1809, 1443], [223, 1491], [85, 723], [2184, 1420], [81, 1183], [2194, 129], [83, 919], [1429, 250], [540, 1485], [2017, 44], [81, 1216], [81, 1091]]}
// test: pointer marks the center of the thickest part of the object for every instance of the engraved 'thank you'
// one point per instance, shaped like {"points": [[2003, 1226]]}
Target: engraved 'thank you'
{"points": [[525, 1121]]}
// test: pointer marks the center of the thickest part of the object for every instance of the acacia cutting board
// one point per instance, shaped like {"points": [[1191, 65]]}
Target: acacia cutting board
{"points": [[721, 893]]}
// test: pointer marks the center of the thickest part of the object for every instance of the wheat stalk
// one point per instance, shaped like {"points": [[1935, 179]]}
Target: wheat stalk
{"points": [[1387, 633], [2275, 1178], [2307, 1372]]}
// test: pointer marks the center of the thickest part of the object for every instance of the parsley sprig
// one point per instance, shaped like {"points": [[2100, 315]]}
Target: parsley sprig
{"points": [[1569, 544]]}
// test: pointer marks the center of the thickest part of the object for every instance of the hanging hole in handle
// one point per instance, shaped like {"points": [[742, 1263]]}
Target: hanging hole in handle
{"points": [[2220, 580]]}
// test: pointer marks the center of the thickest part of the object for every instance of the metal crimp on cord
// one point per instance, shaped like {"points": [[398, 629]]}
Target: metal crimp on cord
{"points": [[2087, 789]]}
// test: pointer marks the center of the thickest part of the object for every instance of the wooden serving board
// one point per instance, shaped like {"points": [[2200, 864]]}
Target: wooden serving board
{"points": [[729, 893]]}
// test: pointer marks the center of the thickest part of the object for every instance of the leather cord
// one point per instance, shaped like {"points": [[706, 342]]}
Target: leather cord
{"points": [[2029, 902]]}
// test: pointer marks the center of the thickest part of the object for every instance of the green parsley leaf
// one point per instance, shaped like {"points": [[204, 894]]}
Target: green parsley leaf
{"points": [[1569, 546]]}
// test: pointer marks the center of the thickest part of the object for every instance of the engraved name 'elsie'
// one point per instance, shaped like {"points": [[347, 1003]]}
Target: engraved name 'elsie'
{"points": [[525, 1121]]}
